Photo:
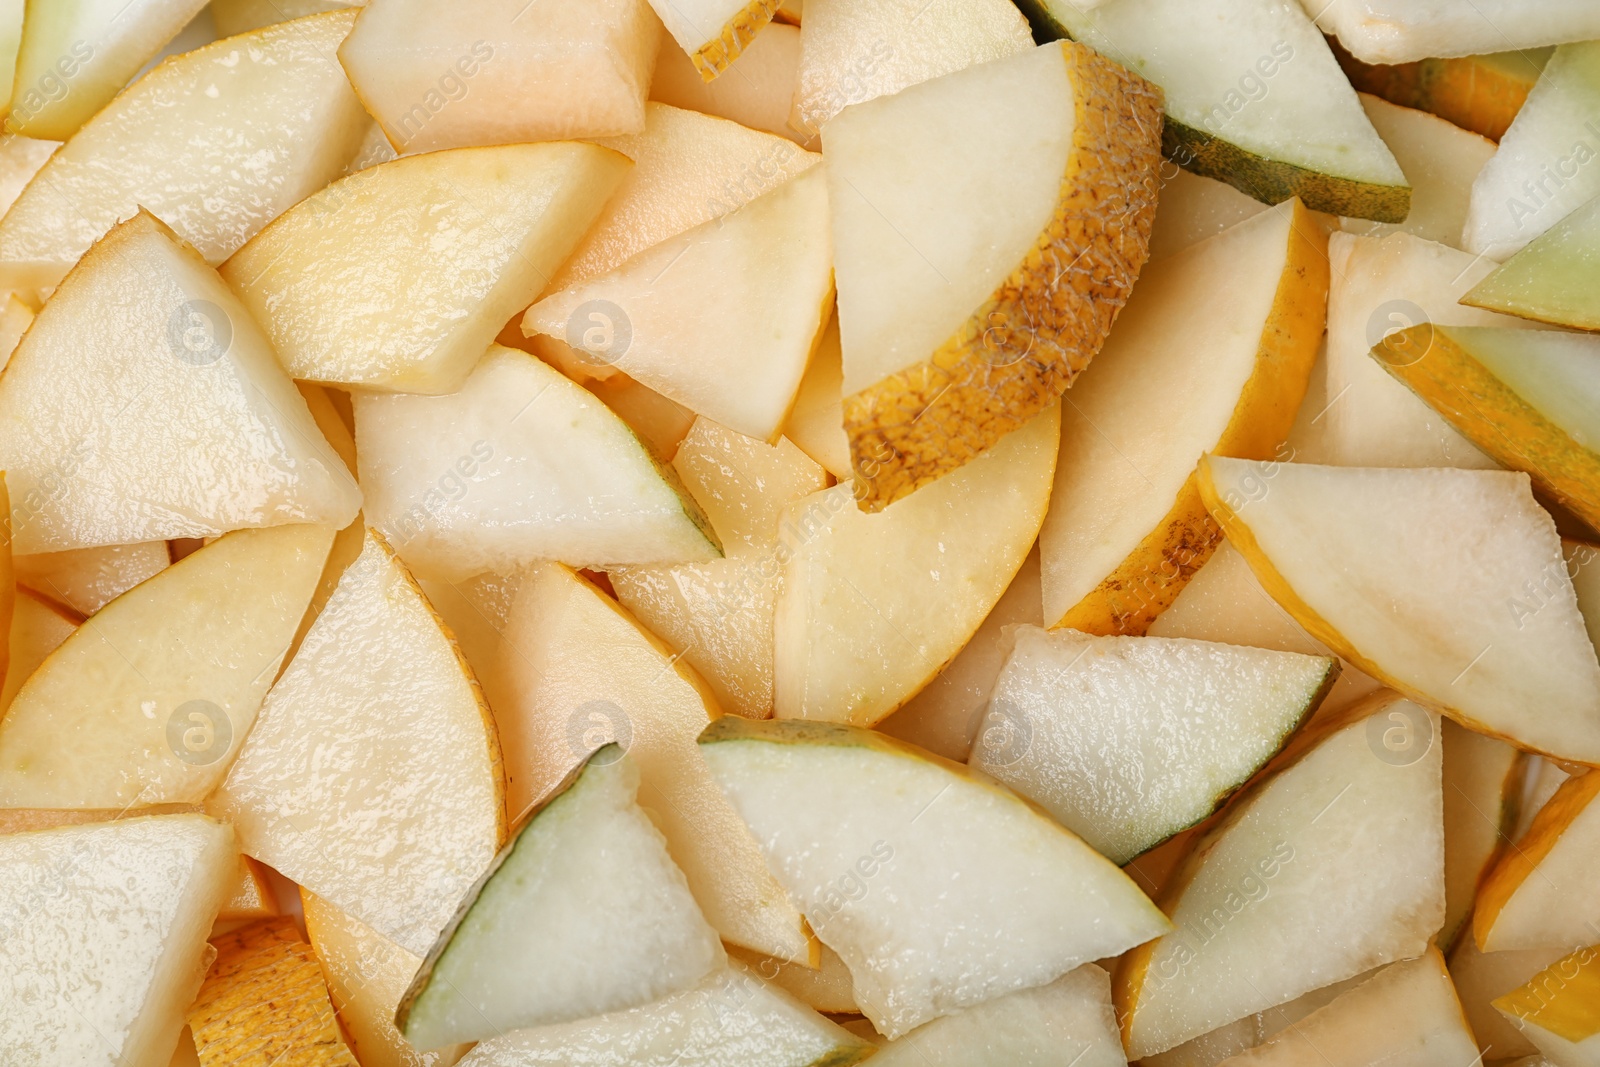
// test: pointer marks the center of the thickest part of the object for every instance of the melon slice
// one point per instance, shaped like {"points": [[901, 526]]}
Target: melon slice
{"points": [[1537, 895], [816, 421], [1394, 570], [1191, 209], [399, 276], [714, 33], [1329, 865], [481, 72], [1480, 93], [1540, 175], [938, 889], [757, 93], [15, 318], [731, 1019], [87, 579], [1483, 780], [1483, 977], [1440, 162], [975, 283], [852, 51], [1554, 279], [872, 606], [242, 16], [187, 427], [660, 423], [747, 293], [216, 142], [825, 988], [582, 913], [1556, 1010], [1400, 31], [38, 627], [1212, 354], [97, 971], [376, 722], [1253, 98], [520, 465], [1583, 564], [1128, 740], [75, 55], [252, 899]]}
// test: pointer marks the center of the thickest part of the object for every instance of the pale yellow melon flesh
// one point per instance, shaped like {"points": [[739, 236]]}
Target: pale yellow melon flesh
{"points": [[215, 142], [240, 16], [148, 702], [1191, 209], [756, 93], [1537, 895], [1483, 780], [86, 579], [1481, 978], [38, 626], [714, 33], [816, 422], [824, 988], [15, 318]]}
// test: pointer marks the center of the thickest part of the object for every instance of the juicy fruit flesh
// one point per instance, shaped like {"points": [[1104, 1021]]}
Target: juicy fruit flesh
{"points": [[1570, 1012], [1533, 897], [1400, 31], [1554, 279]]}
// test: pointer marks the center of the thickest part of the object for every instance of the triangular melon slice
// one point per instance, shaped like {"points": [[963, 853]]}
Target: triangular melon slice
{"points": [[149, 701], [376, 722], [186, 427], [1127, 740], [95, 46], [1480, 93], [1483, 784], [1529, 398], [1557, 1009], [1398, 572], [982, 246], [1212, 354], [241, 16], [759, 96], [939, 889], [1539, 895], [1482, 978], [714, 32], [217, 142], [857, 50], [816, 421], [582, 913], [87, 579], [720, 318], [1400, 31], [1192, 208], [1327, 866], [1253, 98], [1540, 174], [521, 464], [38, 626], [872, 607], [105, 944], [1406, 1015], [1555, 279], [399, 276]]}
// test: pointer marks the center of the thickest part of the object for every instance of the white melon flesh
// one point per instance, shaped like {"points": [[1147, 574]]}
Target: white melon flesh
{"points": [[857, 50], [481, 72], [582, 913], [38, 626], [12, 13], [520, 465], [1127, 740], [1406, 1015], [1381, 285], [872, 606], [148, 702], [575, 671], [1440, 161], [1212, 353], [20, 160], [241, 16], [747, 294], [1192, 208], [816, 422], [825, 988], [375, 721], [1400, 31], [718, 614], [1483, 977], [1541, 172], [104, 942], [939, 890], [1483, 780], [1397, 571], [398, 277], [187, 427], [757, 92], [1537, 896], [1068, 1023], [215, 142], [86, 579], [1331, 865], [1225, 602], [76, 54], [731, 1019]]}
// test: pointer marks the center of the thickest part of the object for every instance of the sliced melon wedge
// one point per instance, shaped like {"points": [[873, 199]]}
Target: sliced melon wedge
{"points": [[731, 1019], [1480, 93], [1537, 895], [149, 701], [758, 96], [939, 890], [1556, 1009], [1539, 175], [38, 627], [1440, 161], [11, 16], [520, 465], [852, 51], [582, 913], [1401, 31], [399, 276], [1191, 209], [87, 579], [376, 719], [1529, 398], [105, 936], [747, 293], [1554, 279], [872, 607], [216, 142], [241, 16], [1405, 1015], [1394, 570], [478, 72], [825, 988], [1212, 354], [1482, 978], [1329, 865], [816, 421], [1253, 98], [1483, 781], [714, 32], [75, 55], [1128, 740], [982, 249]]}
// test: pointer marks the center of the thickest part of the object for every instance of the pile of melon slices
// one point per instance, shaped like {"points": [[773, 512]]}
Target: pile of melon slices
{"points": [[728, 533]]}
